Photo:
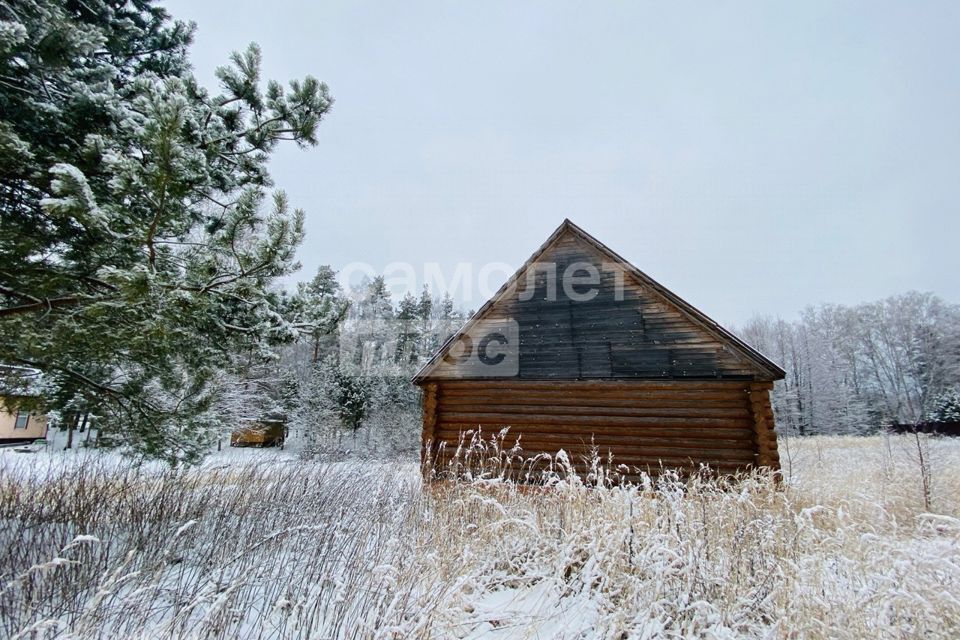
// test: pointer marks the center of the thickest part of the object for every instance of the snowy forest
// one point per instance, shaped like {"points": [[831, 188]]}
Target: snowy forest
{"points": [[349, 380], [856, 369]]}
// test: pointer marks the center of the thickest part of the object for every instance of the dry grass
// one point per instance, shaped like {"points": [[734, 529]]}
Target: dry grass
{"points": [[847, 549]]}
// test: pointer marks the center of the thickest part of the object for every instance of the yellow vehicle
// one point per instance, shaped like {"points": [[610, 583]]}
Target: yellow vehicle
{"points": [[260, 433]]}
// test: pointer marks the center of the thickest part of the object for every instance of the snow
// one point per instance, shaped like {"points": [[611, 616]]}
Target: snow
{"points": [[73, 197], [260, 542], [13, 33], [541, 610]]}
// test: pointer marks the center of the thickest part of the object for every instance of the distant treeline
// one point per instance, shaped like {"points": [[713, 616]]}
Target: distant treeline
{"points": [[858, 369], [349, 383]]}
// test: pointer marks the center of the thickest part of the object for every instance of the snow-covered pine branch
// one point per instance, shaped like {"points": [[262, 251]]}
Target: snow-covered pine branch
{"points": [[140, 235]]}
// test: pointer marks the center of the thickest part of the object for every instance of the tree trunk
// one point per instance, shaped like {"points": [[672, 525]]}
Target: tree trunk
{"points": [[70, 428]]}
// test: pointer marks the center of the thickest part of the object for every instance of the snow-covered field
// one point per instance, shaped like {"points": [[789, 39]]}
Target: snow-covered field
{"points": [[261, 544]]}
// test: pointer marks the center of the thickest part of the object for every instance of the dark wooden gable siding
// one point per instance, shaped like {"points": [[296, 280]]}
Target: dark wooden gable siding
{"points": [[627, 330]]}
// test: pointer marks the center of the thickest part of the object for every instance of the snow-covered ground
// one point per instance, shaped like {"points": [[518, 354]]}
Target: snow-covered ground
{"points": [[52, 452], [54, 448], [263, 544]]}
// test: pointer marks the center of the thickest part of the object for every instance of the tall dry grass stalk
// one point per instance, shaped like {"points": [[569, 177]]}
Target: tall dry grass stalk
{"points": [[845, 549]]}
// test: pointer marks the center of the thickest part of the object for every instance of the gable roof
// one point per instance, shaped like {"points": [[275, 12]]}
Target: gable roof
{"points": [[759, 366]]}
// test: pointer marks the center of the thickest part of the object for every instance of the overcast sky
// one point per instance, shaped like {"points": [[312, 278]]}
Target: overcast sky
{"points": [[752, 157]]}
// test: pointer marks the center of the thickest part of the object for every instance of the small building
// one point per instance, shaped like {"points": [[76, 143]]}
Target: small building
{"points": [[20, 425], [581, 351], [262, 432], [19, 420]]}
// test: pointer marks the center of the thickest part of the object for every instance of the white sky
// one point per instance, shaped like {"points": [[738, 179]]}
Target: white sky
{"points": [[753, 157]]}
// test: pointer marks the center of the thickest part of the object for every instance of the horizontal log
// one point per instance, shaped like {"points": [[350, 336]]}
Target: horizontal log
{"points": [[691, 389], [568, 360], [739, 387], [544, 457], [719, 433], [637, 337], [619, 371], [593, 421], [652, 463], [588, 400], [554, 409], [607, 305], [609, 442], [620, 337], [605, 440], [596, 397], [601, 441], [606, 317], [577, 368], [626, 456], [654, 456]]}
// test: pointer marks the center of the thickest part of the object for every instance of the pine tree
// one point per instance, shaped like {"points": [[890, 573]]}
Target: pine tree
{"points": [[318, 309], [408, 335], [425, 305], [137, 254], [375, 331], [349, 393], [946, 407], [427, 343], [377, 304], [449, 318]]}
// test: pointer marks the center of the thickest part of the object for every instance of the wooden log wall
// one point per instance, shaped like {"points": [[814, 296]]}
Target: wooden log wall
{"points": [[764, 434], [643, 424], [429, 424]]}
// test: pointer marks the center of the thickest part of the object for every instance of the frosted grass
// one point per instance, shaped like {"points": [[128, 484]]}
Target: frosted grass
{"points": [[93, 547]]}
